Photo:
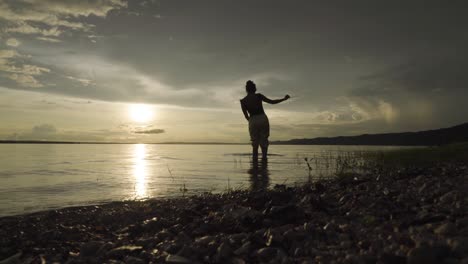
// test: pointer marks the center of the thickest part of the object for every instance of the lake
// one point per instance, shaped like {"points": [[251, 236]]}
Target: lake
{"points": [[38, 177]]}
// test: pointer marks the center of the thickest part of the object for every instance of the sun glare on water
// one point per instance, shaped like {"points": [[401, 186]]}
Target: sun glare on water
{"points": [[141, 113]]}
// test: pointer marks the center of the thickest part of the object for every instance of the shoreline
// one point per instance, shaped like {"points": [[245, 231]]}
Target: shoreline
{"points": [[416, 215]]}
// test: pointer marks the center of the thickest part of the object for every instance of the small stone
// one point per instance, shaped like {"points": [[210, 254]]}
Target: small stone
{"points": [[460, 246], [462, 223], [266, 254], [164, 234], [90, 249], [422, 188], [152, 224], [205, 240], [124, 251], [12, 259], [237, 261], [449, 197], [346, 244], [177, 259], [244, 249], [133, 260], [273, 237], [185, 251], [298, 252], [387, 258], [421, 255], [446, 229], [224, 251], [236, 238]]}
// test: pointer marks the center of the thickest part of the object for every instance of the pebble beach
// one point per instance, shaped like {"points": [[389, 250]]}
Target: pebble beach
{"points": [[414, 215]]}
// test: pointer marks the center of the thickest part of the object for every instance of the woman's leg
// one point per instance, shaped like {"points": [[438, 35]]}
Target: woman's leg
{"points": [[255, 151], [264, 134]]}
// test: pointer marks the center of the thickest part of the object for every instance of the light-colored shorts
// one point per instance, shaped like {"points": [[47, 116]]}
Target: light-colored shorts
{"points": [[259, 129]]}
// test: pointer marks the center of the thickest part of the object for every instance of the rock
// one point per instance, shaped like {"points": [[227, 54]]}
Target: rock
{"points": [[244, 249], [387, 258], [185, 251], [238, 237], [147, 242], [462, 223], [170, 246], [164, 234], [183, 237], [223, 252], [364, 244], [133, 260], [273, 237], [293, 235], [451, 261], [459, 246], [367, 259], [242, 215], [205, 240], [286, 213], [298, 252], [15, 259], [237, 261], [448, 197], [90, 249], [123, 251], [330, 227], [177, 259], [266, 254], [152, 224], [446, 229], [346, 244], [421, 255], [422, 188]]}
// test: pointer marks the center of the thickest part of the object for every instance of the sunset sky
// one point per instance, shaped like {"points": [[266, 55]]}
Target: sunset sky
{"points": [[173, 70]]}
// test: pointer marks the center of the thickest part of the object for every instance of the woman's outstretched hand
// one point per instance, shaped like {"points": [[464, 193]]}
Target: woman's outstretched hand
{"points": [[286, 97]]}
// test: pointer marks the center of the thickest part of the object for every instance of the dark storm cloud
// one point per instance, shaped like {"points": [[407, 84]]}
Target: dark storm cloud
{"points": [[429, 91], [431, 75], [215, 41], [200, 53]]}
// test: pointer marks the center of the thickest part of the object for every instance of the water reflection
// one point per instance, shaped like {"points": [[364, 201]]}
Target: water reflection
{"points": [[259, 175], [140, 171]]}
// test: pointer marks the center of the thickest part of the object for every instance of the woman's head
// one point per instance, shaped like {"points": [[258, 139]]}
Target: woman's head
{"points": [[250, 87]]}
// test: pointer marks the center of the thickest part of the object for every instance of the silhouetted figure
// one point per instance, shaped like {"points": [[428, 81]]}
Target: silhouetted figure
{"points": [[259, 175], [259, 127]]}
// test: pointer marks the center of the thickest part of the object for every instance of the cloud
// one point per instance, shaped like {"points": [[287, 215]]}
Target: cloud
{"points": [[24, 74], [150, 131], [12, 42], [44, 129], [7, 54], [84, 82], [24, 28], [426, 92], [52, 17], [421, 76], [25, 80], [47, 39], [50, 132]]}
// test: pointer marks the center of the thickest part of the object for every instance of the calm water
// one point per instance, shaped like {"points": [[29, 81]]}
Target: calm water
{"points": [[36, 177]]}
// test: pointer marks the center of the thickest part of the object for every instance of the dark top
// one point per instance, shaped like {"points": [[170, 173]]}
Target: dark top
{"points": [[253, 104]]}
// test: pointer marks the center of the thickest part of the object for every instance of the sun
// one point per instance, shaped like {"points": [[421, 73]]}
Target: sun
{"points": [[141, 113]]}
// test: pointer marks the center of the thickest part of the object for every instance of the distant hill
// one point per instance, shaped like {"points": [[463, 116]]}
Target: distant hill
{"points": [[422, 138]]}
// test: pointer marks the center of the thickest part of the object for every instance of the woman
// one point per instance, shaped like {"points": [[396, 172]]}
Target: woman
{"points": [[259, 127]]}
